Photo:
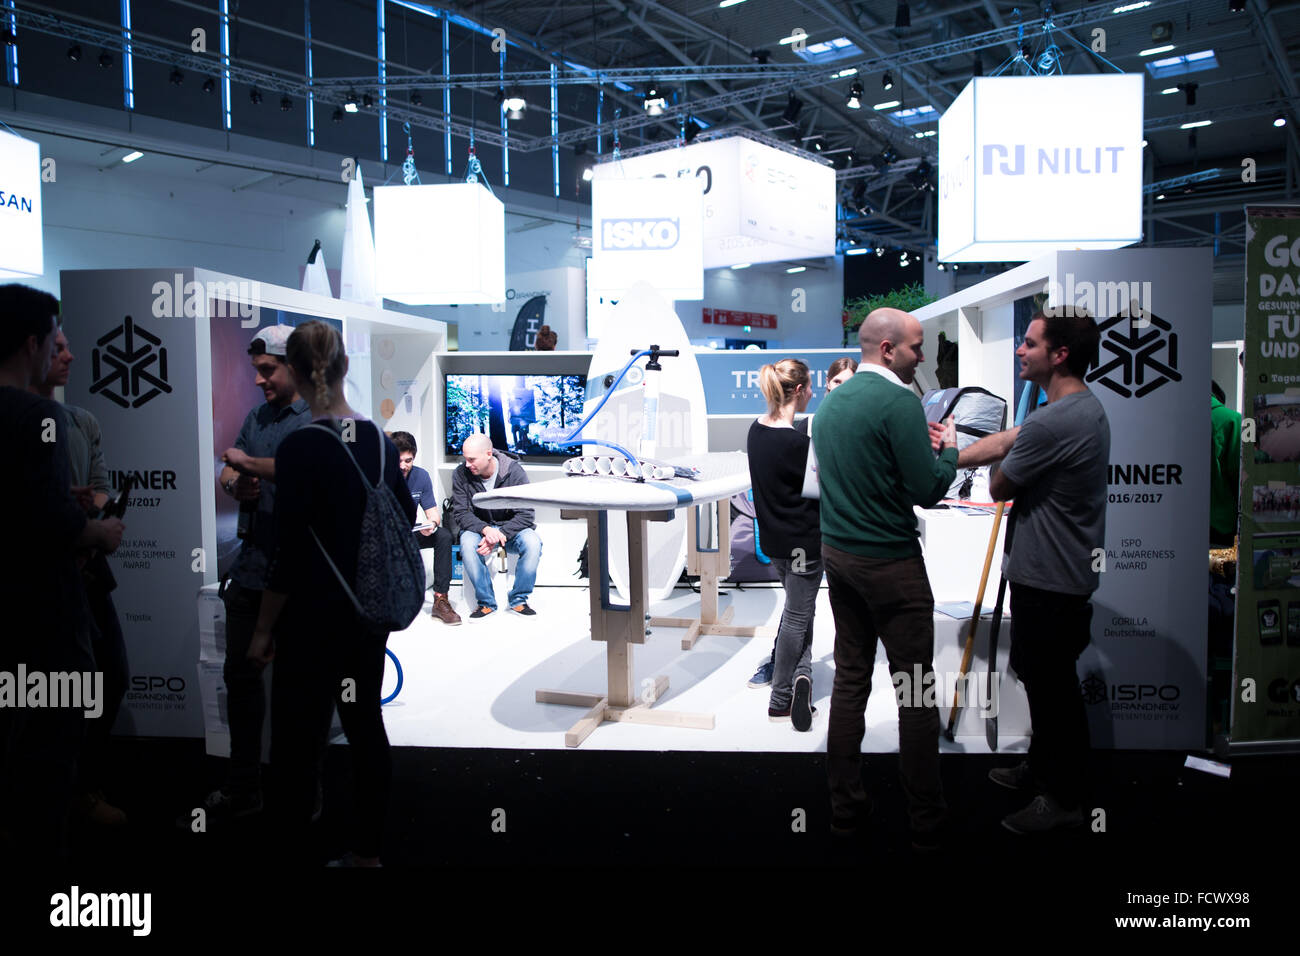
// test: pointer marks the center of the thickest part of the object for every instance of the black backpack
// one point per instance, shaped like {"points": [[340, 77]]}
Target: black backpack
{"points": [[389, 589]]}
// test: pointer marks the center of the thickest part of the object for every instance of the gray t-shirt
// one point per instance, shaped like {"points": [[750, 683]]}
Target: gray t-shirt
{"points": [[1059, 462]]}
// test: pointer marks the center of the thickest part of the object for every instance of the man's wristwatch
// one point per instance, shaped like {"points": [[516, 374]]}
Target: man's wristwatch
{"points": [[230, 486]]}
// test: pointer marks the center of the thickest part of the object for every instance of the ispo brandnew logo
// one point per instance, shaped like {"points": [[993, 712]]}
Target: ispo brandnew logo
{"points": [[622, 234], [1144, 358], [129, 365]]}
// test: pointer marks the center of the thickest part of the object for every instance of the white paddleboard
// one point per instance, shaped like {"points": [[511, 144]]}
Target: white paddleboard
{"points": [[643, 318]]}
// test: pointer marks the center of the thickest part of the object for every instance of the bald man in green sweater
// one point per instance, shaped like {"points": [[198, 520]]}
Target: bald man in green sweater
{"points": [[875, 461]]}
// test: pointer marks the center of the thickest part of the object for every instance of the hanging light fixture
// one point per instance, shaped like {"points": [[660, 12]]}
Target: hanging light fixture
{"points": [[854, 101]]}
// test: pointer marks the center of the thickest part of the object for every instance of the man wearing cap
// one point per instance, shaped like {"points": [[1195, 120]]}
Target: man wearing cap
{"points": [[249, 478]]}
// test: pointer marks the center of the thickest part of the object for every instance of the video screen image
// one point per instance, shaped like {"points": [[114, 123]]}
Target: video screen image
{"points": [[522, 414]]}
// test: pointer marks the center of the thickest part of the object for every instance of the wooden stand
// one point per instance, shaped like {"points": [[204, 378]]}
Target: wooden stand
{"points": [[712, 565], [620, 628]]}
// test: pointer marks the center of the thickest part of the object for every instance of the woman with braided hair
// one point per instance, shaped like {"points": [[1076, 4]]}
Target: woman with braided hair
{"points": [[324, 654]]}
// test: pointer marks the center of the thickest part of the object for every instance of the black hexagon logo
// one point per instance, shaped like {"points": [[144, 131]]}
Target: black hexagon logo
{"points": [[1140, 359], [1093, 689], [129, 365]]}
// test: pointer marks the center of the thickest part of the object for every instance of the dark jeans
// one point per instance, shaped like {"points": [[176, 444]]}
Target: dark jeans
{"points": [[889, 599], [792, 655], [318, 648], [1048, 633], [441, 543], [109, 647], [245, 692]]}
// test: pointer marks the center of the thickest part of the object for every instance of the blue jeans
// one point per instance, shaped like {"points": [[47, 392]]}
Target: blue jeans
{"points": [[478, 568]]}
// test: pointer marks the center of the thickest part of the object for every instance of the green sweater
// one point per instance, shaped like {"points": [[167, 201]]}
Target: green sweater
{"points": [[874, 463], [1225, 471]]}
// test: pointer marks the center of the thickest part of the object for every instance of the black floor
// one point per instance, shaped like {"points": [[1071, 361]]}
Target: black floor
{"points": [[688, 836]]}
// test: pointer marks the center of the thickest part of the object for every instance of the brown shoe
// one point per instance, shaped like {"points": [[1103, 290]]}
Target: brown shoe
{"points": [[443, 610]]}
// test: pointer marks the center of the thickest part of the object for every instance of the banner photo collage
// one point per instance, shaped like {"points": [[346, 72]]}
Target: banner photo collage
{"points": [[1268, 586]]}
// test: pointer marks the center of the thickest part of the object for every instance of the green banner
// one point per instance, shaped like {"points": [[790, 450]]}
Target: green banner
{"points": [[1266, 699]]}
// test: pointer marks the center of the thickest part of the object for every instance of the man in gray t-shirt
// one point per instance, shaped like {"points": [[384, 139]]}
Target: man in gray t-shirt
{"points": [[1054, 466]]}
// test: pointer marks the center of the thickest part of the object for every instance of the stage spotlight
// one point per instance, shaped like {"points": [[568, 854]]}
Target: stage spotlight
{"points": [[1189, 90], [654, 101], [691, 130], [793, 106], [337, 116], [1236, 6], [887, 81], [176, 78], [1279, 120], [514, 103], [367, 101], [888, 155], [760, 56], [417, 99], [350, 102], [209, 85], [286, 104], [9, 38], [74, 53], [978, 68], [902, 16], [105, 60], [855, 96], [255, 96]]}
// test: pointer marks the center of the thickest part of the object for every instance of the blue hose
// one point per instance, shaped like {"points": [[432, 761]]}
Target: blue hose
{"points": [[601, 404], [398, 689]]}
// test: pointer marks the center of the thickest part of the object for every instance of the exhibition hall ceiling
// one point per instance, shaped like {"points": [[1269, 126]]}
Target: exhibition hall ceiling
{"points": [[782, 70]]}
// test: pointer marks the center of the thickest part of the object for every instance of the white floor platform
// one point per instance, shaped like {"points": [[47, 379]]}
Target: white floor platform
{"points": [[473, 685]]}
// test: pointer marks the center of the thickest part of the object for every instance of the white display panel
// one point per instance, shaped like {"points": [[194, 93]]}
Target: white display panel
{"points": [[440, 244], [647, 230], [22, 247], [760, 204], [1031, 165]]}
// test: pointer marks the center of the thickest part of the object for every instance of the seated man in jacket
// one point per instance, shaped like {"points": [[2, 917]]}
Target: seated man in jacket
{"points": [[482, 531]]}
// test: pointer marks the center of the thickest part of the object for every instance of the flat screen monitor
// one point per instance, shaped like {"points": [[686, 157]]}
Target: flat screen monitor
{"points": [[522, 414]]}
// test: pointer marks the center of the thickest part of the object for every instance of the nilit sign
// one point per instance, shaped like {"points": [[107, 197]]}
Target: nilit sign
{"points": [[1075, 182]]}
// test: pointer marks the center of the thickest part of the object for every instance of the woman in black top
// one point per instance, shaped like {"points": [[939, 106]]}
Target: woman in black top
{"points": [[790, 530], [325, 654]]}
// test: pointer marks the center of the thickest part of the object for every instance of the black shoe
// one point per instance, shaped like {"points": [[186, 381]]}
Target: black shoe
{"points": [[801, 707], [1019, 777], [929, 841], [481, 613], [853, 825], [524, 610]]}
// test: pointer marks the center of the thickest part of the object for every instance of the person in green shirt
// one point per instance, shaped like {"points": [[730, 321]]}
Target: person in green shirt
{"points": [[1225, 472], [875, 462]]}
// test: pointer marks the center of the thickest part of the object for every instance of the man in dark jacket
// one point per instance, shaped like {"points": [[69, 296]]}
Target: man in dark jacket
{"points": [[482, 531]]}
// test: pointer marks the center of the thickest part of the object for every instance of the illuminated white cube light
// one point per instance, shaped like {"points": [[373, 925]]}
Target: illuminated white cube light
{"points": [[761, 204], [22, 244], [440, 244], [647, 230], [1034, 164]]}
